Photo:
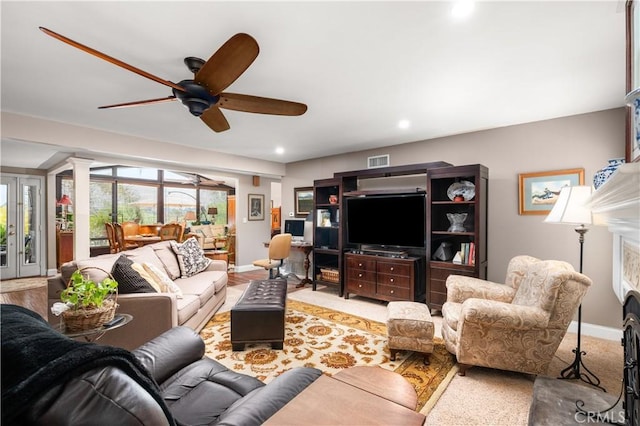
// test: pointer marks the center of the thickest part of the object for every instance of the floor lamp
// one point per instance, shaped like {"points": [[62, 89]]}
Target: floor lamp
{"points": [[572, 208]]}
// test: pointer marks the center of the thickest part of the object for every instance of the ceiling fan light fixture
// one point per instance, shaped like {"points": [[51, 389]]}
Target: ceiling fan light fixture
{"points": [[196, 98], [196, 106]]}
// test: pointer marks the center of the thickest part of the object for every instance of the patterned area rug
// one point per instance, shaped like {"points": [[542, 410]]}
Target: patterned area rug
{"points": [[330, 341]]}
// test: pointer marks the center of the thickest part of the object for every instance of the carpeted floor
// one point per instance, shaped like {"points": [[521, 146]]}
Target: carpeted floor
{"points": [[330, 341]]}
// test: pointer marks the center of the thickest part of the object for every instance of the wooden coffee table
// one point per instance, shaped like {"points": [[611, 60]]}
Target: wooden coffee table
{"points": [[357, 395]]}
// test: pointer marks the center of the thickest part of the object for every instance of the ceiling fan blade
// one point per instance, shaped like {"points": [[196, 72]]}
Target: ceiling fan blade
{"points": [[228, 63], [138, 103], [215, 119], [260, 105], [111, 59]]}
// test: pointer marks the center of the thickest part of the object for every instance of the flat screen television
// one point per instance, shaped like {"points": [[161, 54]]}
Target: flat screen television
{"points": [[386, 220], [295, 228]]}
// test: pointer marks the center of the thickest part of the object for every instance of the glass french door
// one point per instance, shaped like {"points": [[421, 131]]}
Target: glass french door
{"points": [[21, 233]]}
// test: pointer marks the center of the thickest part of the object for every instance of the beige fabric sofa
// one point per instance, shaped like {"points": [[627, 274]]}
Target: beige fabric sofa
{"points": [[153, 313], [516, 326], [207, 234]]}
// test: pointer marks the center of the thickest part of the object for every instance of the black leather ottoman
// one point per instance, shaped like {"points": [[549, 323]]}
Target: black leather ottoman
{"points": [[258, 316]]}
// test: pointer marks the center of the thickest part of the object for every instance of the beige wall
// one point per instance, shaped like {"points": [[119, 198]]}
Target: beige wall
{"points": [[583, 141]]}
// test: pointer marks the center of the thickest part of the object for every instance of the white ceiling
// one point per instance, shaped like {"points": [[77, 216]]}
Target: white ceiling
{"points": [[359, 66]]}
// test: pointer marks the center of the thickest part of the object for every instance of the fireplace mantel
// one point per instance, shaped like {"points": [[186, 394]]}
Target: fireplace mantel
{"points": [[617, 202]]}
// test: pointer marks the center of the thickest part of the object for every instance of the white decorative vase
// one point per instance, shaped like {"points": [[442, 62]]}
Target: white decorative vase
{"points": [[605, 173]]}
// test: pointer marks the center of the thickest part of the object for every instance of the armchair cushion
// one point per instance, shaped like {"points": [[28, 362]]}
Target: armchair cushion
{"points": [[162, 357], [541, 284], [492, 314], [461, 288]]}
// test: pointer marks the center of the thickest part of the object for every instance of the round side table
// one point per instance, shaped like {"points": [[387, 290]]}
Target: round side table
{"points": [[93, 334]]}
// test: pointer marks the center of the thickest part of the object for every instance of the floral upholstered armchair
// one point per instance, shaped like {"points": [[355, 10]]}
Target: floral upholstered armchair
{"points": [[516, 326]]}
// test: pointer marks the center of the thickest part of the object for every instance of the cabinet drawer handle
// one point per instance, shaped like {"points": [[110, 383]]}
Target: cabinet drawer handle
{"points": [[391, 292], [359, 264], [391, 280], [359, 285], [391, 269], [359, 275]]}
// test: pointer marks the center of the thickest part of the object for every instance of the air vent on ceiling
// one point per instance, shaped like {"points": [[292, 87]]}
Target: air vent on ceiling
{"points": [[378, 161]]}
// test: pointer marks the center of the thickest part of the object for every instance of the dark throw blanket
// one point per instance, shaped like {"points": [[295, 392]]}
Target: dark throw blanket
{"points": [[35, 358]]}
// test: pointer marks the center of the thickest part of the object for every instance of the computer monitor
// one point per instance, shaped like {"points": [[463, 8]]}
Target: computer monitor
{"points": [[295, 228]]}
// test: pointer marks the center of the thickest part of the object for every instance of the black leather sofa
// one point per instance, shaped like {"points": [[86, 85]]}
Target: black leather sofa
{"points": [[48, 379]]}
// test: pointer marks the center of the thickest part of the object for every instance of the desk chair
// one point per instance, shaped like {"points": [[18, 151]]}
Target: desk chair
{"points": [[279, 249]]}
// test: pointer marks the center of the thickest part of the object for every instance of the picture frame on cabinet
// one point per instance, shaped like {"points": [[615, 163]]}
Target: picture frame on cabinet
{"points": [[632, 148], [538, 191], [303, 201], [256, 207]]}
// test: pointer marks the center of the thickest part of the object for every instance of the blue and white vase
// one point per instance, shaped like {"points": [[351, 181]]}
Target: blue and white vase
{"points": [[605, 173]]}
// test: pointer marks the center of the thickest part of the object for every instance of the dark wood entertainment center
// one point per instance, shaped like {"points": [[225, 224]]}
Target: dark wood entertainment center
{"points": [[384, 278], [400, 273]]}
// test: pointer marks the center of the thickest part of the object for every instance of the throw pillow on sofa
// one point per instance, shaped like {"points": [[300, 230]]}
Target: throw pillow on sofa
{"points": [[166, 283], [190, 257], [129, 281], [147, 276]]}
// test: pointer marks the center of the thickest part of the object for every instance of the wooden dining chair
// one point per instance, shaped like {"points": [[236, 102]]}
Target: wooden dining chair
{"points": [[130, 228], [111, 235], [119, 232], [171, 231]]}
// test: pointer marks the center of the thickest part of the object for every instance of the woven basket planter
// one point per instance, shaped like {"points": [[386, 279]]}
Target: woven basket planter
{"points": [[87, 319]]}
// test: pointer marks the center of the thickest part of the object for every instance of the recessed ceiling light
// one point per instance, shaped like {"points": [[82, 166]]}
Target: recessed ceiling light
{"points": [[462, 8], [404, 124], [280, 150]]}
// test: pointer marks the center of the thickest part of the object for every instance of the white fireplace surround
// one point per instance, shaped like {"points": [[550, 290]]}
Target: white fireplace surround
{"points": [[617, 202]]}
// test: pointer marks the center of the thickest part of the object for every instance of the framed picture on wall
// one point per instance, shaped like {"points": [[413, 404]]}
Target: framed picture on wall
{"points": [[538, 192], [303, 200], [256, 206]]}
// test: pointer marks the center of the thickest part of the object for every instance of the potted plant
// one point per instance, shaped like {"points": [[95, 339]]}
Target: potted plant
{"points": [[90, 304]]}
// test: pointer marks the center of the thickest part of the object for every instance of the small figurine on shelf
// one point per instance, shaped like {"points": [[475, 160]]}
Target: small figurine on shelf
{"points": [[457, 222]]}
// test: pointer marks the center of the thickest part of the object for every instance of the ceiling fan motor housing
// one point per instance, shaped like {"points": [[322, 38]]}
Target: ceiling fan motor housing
{"points": [[196, 97]]}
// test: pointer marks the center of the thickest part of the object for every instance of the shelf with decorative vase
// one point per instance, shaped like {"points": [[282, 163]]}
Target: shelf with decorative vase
{"points": [[605, 173]]}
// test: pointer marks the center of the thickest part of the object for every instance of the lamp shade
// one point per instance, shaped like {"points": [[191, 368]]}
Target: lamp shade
{"points": [[572, 206], [212, 210], [64, 200], [190, 216]]}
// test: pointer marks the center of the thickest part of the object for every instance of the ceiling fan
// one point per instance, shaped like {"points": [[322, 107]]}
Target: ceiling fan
{"points": [[203, 95]]}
